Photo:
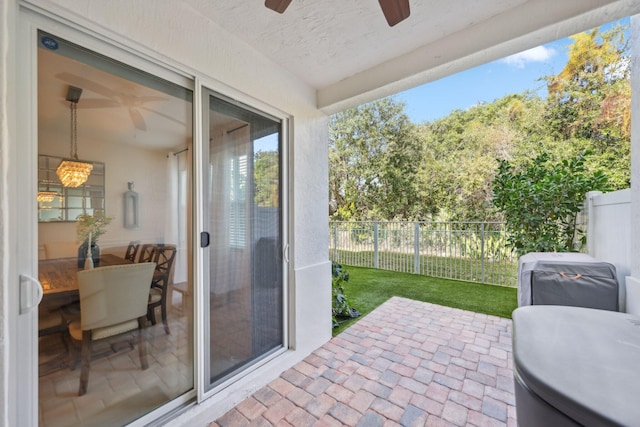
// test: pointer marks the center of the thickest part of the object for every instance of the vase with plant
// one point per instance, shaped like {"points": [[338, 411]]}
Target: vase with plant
{"points": [[90, 228]]}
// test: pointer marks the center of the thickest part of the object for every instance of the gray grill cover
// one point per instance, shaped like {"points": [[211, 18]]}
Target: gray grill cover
{"points": [[582, 362], [550, 278]]}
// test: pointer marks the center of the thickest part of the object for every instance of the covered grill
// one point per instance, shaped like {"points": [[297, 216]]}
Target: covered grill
{"points": [[572, 279]]}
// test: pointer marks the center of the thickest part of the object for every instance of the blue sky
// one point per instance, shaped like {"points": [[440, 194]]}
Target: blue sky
{"points": [[488, 82]]}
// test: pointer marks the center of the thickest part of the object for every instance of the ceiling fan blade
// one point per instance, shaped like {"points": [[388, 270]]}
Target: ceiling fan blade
{"points": [[166, 116], [95, 103], [86, 84], [145, 99], [138, 120], [277, 5], [395, 11]]}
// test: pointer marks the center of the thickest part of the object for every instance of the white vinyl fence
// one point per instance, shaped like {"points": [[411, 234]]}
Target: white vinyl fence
{"points": [[469, 251]]}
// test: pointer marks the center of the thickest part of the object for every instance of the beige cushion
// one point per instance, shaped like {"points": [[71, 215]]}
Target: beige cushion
{"points": [[155, 295], [75, 330]]}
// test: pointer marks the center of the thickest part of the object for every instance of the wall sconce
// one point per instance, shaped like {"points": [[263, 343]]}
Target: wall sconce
{"points": [[130, 207]]}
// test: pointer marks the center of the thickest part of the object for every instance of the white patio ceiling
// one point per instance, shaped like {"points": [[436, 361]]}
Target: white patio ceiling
{"points": [[347, 52]]}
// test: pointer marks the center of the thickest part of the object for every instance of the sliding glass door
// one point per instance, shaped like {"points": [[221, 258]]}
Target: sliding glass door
{"points": [[243, 194], [134, 130]]}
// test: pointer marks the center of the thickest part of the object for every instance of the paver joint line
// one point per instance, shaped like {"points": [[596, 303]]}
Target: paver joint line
{"points": [[405, 363]]}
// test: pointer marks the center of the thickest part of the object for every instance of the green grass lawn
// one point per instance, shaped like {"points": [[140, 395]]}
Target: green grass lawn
{"points": [[368, 288]]}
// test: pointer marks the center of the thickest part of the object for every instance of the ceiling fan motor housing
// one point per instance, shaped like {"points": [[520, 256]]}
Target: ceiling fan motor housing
{"points": [[73, 94]]}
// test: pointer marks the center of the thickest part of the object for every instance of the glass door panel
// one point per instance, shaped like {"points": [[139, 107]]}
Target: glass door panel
{"points": [[136, 131], [245, 305]]}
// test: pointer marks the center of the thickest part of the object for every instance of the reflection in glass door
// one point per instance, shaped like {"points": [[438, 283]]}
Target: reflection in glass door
{"points": [[135, 129], [245, 304]]}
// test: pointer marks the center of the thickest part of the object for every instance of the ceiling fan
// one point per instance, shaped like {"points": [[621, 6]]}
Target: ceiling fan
{"points": [[395, 11], [115, 99]]}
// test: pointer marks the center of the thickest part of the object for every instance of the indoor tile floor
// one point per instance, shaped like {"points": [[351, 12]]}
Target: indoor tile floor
{"points": [[119, 390]]}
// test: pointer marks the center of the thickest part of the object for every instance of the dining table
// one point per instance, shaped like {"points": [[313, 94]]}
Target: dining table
{"points": [[59, 277]]}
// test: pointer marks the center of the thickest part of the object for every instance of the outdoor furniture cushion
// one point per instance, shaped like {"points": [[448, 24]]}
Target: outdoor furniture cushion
{"points": [[575, 365]]}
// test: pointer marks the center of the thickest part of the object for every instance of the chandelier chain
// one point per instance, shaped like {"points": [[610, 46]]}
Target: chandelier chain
{"points": [[74, 130]]}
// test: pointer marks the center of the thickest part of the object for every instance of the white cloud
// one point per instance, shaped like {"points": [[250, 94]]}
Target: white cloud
{"points": [[537, 54]]}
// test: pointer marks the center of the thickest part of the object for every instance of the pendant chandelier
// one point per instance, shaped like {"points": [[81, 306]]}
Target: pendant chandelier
{"points": [[47, 196], [72, 172]]}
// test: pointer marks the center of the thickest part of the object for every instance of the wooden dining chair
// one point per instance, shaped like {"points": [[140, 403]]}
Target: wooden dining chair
{"points": [[50, 322], [55, 250], [52, 354], [147, 252], [113, 301], [162, 277], [132, 251]]}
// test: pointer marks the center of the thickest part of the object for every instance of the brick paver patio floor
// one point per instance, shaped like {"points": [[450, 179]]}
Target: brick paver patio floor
{"points": [[407, 363]]}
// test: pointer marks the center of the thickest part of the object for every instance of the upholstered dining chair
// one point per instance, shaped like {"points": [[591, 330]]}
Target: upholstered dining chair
{"points": [[132, 251], [162, 277], [147, 252], [113, 301]]}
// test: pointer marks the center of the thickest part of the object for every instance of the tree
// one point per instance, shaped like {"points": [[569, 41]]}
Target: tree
{"points": [[587, 110], [541, 203], [374, 155], [460, 150], [589, 103], [266, 178]]}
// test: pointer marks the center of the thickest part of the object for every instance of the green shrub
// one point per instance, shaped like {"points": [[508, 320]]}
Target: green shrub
{"points": [[541, 203], [340, 305]]}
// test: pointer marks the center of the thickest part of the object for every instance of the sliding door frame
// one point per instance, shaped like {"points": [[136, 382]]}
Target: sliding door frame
{"points": [[31, 19], [209, 88]]}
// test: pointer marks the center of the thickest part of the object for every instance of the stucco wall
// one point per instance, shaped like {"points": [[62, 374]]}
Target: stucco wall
{"points": [[179, 36]]}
